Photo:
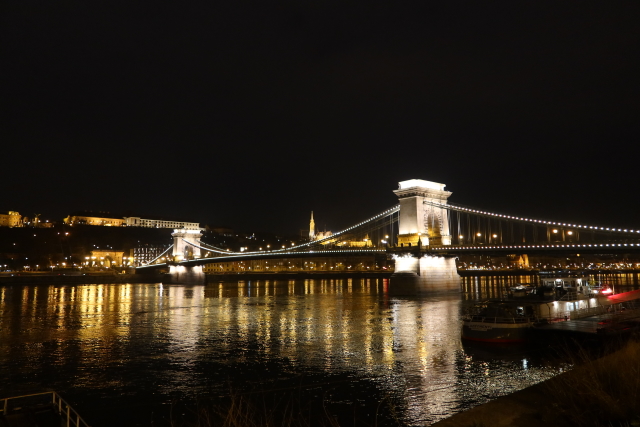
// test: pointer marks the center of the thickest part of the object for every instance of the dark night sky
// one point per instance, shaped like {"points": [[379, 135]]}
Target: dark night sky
{"points": [[252, 113]]}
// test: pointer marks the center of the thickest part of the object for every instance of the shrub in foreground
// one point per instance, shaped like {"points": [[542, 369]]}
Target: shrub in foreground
{"points": [[603, 391]]}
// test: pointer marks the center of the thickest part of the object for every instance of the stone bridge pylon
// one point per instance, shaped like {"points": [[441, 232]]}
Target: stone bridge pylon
{"points": [[183, 251], [420, 221], [420, 225]]}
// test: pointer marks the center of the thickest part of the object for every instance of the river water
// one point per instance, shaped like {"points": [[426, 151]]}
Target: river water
{"points": [[129, 354]]}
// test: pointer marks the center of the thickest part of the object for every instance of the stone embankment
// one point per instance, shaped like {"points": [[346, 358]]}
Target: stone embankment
{"points": [[531, 407], [75, 279]]}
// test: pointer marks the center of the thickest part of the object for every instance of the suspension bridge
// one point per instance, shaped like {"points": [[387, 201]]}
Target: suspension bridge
{"points": [[423, 233]]}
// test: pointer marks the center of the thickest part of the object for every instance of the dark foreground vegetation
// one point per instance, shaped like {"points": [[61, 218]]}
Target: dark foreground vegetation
{"points": [[333, 402], [601, 391], [273, 410]]}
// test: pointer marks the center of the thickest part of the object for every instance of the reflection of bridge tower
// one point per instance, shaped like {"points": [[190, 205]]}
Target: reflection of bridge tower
{"points": [[183, 250], [423, 224]]}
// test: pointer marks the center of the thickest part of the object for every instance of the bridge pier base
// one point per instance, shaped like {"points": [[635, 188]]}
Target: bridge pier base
{"points": [[424, 275], [180, 274]]}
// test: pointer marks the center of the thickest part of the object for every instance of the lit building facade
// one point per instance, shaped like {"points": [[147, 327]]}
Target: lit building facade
{"points": [[312, 228], [107, 259], [345, 241], [313, 235], [145, 254], [135, 221], [36, 222], [104, 221], [10, 219], [90, 218]]}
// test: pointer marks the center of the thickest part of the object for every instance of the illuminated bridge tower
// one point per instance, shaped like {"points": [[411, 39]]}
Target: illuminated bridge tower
{"points": [[422, 224], [421, 221], [183, 251]]}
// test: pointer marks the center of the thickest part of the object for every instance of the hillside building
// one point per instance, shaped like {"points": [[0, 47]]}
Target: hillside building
{"points": [[10, 219], [135, 221]]}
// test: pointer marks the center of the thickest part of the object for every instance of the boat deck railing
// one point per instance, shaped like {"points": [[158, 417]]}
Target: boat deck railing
{"points": [[619, 312], [492, 319], [581, 313], [70, 418], [573, 296]]}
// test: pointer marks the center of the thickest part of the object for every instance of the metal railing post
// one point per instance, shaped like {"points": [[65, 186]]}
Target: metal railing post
{"points": [[56, 401]]}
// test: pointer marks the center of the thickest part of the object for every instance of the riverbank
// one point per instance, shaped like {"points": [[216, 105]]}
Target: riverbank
{"points": [[557, 271], [531, 407], [75, 277], [598, 392], [78, 279], [90, 279], [214, 278]]}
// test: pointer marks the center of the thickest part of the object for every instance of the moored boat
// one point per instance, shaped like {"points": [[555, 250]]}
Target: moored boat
{"points": [[579, 287], [555, 299], [602, 289], [521, 290], [498, 321]]}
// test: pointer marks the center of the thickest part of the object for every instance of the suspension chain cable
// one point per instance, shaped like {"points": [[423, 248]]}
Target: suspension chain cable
{"points": [[526, 220]]}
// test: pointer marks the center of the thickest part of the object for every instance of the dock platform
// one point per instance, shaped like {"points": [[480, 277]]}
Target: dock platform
{"points": [[46, 409], [609, 323]]}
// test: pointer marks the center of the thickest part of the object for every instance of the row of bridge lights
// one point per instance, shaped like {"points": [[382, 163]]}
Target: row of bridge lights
{"points": [[244, 248], [495, 236], [387, 212], [235, 255], [284, 248], [479, 235], [537, 220], [276, 253], [597, 245]]}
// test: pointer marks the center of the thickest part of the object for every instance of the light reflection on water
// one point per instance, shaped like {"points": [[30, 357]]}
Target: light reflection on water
{"points": [[133, 344], [483, 287]]}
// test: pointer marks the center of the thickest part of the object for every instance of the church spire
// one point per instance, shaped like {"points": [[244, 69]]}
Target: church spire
{"points": [[312, 228]]}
